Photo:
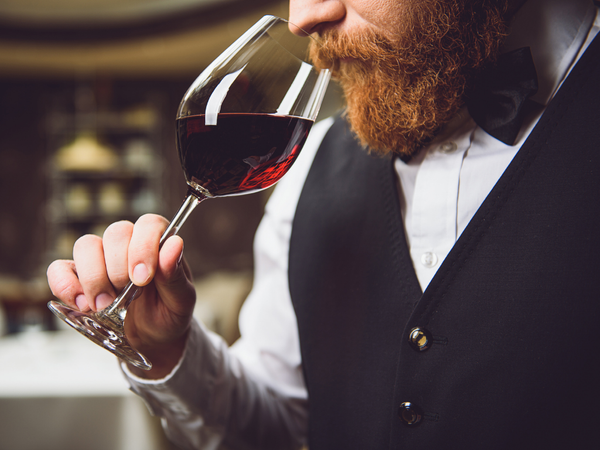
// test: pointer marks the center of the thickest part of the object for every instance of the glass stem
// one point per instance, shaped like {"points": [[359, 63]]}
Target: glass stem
{"points": [[118, 308]]}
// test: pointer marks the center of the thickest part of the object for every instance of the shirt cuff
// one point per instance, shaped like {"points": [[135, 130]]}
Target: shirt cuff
{"points": [[171, 395]]}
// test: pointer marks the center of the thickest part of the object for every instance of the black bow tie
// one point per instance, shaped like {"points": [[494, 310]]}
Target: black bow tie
{"points": [[497, 98]]}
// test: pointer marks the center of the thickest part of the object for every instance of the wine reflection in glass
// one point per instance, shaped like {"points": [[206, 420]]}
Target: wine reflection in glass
{"points": [[240, 127]]}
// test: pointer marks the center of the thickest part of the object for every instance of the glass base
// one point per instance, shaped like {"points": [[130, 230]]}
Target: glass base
{"points": [[105, 333]]}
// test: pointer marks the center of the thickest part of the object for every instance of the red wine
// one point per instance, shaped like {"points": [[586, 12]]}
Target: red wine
{"points": [[242, 153]]}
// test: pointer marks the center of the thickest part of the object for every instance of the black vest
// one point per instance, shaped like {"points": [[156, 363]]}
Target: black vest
{"points": [[513, 313]]}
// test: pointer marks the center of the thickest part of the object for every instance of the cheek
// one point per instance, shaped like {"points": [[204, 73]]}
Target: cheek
{"points": [[386, 16]]}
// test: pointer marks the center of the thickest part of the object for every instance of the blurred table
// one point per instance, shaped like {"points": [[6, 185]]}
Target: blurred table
{"points": [[60, 391]]}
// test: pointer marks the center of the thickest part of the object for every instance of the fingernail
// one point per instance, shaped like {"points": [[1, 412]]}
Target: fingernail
{"points": [[140, 274], [102, 301], [180, 259], [81, 302]]}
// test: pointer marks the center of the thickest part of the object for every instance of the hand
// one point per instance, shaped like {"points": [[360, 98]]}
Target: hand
{"points": [[158, 321]]}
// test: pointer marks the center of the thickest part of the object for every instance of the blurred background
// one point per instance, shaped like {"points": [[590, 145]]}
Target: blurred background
{"points": [[88, 95]]}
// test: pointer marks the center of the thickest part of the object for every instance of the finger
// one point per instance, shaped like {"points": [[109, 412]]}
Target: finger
{"points": [[88, 254], [143, 248], [116, 241], [64, 284]]}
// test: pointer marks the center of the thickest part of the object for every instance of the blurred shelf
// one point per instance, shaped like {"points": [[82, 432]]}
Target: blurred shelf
{"points": [[105, 165]]}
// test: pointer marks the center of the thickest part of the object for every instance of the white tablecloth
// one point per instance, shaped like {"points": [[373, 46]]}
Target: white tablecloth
{"points": [[60, 391]]}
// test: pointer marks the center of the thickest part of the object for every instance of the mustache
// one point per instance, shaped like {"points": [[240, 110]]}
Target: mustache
{"points": [[368, 47]]}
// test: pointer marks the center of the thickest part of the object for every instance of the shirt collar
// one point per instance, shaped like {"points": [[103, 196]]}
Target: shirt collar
{"points": [[555, 31]]}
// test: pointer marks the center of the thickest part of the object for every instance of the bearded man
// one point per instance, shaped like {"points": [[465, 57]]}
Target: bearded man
{"points": [[425, 274]]}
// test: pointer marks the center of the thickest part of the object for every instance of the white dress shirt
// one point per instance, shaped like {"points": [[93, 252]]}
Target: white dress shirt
{"points": [[253, 394]]}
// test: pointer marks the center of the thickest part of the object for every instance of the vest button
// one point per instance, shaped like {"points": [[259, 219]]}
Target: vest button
{"points": [[410, 414], [419, 339]]}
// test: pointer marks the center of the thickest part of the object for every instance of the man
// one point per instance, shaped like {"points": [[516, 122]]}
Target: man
{"points": [[435, 291]]}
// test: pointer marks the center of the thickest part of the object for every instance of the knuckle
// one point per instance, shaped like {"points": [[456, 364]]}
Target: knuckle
{"points": [[119, 278], [63, 289], [86, 241], [153, 220], [53, 267], [94, 282], [60, 276], [95, 278], [118, 229]]}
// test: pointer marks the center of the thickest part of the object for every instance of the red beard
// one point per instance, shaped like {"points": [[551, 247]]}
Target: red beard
{"points": [[400, 91]]}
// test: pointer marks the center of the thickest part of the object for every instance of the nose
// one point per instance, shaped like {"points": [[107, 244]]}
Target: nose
{"points": [[313, 16]]}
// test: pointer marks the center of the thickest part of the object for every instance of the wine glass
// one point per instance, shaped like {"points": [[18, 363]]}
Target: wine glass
{"points": [[240, 127]]}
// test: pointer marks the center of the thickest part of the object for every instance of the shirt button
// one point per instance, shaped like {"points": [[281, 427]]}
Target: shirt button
{"points": [[419, 339], [429, 259], [448, 147], [410, 414]]}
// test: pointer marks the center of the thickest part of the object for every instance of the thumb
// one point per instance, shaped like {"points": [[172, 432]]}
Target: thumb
{"points": [[173, 279]]}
